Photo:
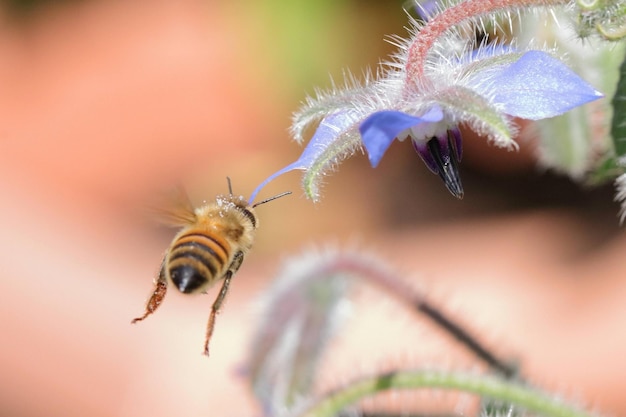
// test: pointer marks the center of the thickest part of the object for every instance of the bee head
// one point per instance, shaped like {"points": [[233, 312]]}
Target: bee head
{"points": [[238, 203], [248, 212]]}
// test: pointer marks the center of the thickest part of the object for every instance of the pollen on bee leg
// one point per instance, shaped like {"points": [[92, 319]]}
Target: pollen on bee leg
{"points": [[154, 301]]}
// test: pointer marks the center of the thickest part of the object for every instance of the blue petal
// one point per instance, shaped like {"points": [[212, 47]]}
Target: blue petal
{"points": [[538, 86], [426, 9], [381, 128], [328, 130], [291, 167]]}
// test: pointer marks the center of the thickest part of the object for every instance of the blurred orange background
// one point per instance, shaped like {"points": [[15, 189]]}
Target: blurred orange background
{"points": [[105, 105]]}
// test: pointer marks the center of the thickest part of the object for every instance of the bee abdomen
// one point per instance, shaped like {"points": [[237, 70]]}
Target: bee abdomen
{"points": [[196, 260]]}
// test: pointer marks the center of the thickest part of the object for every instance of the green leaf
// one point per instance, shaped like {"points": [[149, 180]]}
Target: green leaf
{"points": [[618, 124], [607, 170]]}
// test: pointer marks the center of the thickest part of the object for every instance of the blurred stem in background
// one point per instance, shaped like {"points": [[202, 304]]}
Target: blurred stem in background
{"points": [[304, 308]]}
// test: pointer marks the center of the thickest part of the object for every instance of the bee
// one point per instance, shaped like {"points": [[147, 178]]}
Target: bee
{"points": [[210, 247]]}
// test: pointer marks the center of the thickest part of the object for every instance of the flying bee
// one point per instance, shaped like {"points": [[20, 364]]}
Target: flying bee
{"points": [[211, 246]]}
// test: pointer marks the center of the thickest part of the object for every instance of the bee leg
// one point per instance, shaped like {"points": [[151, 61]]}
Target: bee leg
{"points": [[234, 266], [215, 309], [160, 288], [236, 263]]}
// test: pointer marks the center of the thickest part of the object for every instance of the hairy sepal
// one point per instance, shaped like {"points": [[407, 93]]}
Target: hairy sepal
{"points": [[606, 19], [335, 139], [466, 106], [327, 102], [343, 147], [577, 143]]}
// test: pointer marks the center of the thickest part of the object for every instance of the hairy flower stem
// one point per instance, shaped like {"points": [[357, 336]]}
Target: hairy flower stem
{"points": [[510, 392], [435, 28], [461, 335], [389, 281]]}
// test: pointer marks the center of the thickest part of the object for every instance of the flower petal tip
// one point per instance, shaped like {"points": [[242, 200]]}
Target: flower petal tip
{"points": [[374, 161], [538, 86], [380, 129]]}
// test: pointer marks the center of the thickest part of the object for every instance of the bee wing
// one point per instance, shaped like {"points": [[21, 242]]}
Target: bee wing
{"points": [[176, 209]]}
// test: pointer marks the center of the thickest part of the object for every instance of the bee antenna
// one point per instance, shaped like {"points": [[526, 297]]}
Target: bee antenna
{"points": [[230, 186], [267, 200]]}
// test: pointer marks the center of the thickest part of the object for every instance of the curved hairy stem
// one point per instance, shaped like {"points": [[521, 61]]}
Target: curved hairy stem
{"points": [[486, 386]]}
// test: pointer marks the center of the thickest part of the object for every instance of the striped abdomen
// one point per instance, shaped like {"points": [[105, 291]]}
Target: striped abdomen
{"points": [[196, 260]]}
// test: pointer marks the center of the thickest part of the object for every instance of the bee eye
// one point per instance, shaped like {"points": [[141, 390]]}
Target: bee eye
{"points": [[250, 216]]}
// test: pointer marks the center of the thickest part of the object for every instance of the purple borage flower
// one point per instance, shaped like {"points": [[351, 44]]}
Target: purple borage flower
{"points": [[483, 89]]}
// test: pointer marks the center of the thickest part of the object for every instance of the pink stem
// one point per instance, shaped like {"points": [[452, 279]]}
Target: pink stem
{"points": [[466, 10], [386, 280]]}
